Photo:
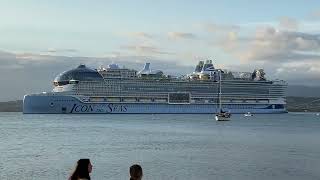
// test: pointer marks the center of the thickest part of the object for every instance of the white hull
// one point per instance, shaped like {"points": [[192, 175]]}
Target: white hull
{"points": [[218, 118], [53, 104]]}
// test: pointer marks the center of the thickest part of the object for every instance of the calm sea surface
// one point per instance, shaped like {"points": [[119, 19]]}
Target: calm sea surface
{"points": [[285, 146]]}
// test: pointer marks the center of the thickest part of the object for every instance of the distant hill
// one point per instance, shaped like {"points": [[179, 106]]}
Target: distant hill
{"points": [[303, 91], [11, 106], [298, 104], [294, 104]]}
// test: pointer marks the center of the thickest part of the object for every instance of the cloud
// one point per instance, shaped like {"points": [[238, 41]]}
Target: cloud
{"points": [[139, 35], [54, 50], [298, 72], [290, 55], [146, 50], [181, 35], [230, 42], [270, 44], [315, 14], [212, 27], [288, 23], [302, 73]]}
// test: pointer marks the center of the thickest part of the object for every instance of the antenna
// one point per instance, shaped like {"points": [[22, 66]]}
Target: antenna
{"points": [[220, 107]]}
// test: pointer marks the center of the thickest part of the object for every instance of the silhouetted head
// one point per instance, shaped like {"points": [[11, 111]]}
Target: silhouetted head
{"points": [[136, 172], [82, 170]]}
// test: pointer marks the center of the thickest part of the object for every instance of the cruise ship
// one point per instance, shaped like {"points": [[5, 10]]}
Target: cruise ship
{"points": [[115, 89]]}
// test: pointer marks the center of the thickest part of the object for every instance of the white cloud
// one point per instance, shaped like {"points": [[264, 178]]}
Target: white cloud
{"points": [[212, 27], [181, 35], [139, 35], [289, 55], [315, 14], [230, 42], [146, 50], [61, 50], [270, 44], [288, 23]]}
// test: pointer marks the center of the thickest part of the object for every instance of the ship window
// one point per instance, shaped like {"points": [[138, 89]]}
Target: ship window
{"points": [[279, 106], [179, 98], [61, 83]]}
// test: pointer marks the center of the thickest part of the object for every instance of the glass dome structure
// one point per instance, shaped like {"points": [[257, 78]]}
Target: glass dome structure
{"points": [[81, 73]]}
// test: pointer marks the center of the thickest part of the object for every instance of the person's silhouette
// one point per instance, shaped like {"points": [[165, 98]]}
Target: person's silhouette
{"points": [[135, 172], [82, 170]]}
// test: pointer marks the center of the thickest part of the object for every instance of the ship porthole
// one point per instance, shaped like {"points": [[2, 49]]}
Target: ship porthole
{"points": [[51, 104]]}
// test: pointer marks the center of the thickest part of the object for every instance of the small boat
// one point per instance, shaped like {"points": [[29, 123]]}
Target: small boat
{"points": [[221, 116], [317, 114], [248, 114]]}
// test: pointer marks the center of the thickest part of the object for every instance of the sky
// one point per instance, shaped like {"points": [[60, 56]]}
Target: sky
{"points": [[41, 38]]}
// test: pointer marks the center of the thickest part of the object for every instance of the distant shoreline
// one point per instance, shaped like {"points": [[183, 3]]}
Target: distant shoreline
{"points": [[11, 106], [294, 104]]}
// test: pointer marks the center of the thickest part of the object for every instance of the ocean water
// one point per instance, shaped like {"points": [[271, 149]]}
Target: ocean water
{"points": [[285, 146]]}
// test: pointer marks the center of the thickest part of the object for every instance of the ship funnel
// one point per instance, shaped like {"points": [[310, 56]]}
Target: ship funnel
{"points": [[146, 67], [199, 66], [208, 66]]}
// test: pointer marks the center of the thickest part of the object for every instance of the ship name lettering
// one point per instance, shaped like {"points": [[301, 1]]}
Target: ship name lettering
{"points": [[81, 108], [116, 108]]}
